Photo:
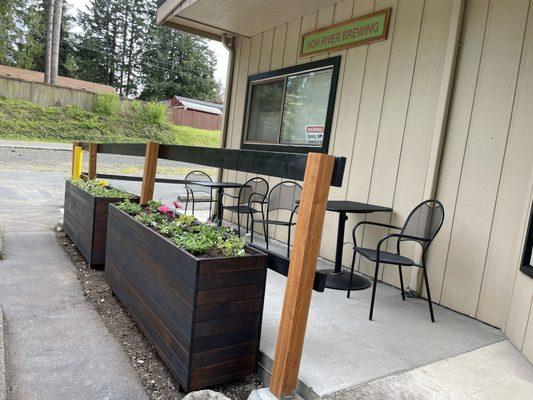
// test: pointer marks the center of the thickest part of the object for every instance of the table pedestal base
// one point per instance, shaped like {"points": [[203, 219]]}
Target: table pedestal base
{"points": [[341, 280]]}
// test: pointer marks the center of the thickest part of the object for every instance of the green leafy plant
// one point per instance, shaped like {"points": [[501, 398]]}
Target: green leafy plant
{"points": [[100, 188], [186, 231], [106, 104], [130, 207], [154, 113]]}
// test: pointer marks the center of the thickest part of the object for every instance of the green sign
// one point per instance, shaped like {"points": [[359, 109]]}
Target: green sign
{"points": [[355, 32]]}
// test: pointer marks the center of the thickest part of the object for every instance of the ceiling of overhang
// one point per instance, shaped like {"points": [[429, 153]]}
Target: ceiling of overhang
{"points": [[243, 17]]}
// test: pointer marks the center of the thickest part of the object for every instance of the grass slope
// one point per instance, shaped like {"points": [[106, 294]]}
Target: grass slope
{"points": [[22, 120]]}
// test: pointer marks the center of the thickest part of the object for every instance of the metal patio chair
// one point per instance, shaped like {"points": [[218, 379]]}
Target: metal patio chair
{"points": [[192, 189], [283, 196], [250, 200], [421, 227]]}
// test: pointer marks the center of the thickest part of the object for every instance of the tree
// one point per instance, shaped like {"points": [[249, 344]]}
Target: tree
{"points": [[10, 30], [120, 45], [49, 29], [177, 63]]}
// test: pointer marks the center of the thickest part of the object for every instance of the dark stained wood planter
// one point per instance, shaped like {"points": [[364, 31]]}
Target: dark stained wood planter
{"points": [[85, 222], [202, 315]]}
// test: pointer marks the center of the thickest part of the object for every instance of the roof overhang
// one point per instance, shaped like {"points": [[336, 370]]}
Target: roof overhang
{"points": [[213, 18]]}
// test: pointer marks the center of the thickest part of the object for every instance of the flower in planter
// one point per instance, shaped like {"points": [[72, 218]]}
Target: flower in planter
{"points": [[177, 205], [163, 209], [103, 182]]}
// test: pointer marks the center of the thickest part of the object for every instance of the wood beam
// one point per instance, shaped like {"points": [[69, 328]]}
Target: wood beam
{"points": [[93, 153], [150, 167], [299, 287]]}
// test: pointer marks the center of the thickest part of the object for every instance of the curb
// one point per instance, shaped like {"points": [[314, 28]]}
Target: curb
{"points": [[23, 147], [3, 371]]}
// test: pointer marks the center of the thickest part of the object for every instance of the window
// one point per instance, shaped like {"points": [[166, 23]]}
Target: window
{"points": [[527, 261], [291, 109]]}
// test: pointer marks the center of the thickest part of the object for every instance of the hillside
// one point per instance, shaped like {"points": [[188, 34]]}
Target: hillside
{"points": [[22, 120]]}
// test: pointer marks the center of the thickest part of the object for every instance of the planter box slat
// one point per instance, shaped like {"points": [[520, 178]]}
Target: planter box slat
{"points": [[176, 356], [204, 323], [176, 285], [169, 315], [229, 294], [215, 311], [223, 354], [213, 281], [226, 324], [229, 338], [85, 222]]}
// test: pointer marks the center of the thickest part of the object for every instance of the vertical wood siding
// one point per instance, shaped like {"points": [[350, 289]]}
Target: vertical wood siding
{"points": [[384, 110], [384, 117], [486, 181]]}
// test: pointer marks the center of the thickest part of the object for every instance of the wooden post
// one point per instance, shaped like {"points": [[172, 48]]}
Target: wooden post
{"points": [[150, 167], [302, 269], [74, 145], [77, 162], [93, 153]]}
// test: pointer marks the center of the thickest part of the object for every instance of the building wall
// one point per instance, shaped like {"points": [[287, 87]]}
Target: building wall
{"points": [[384, 112], [385, 115], [485, 179], [195, 119]]}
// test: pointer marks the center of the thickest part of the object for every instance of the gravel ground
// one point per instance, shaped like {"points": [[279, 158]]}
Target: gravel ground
{"points": [[60, 161], [154, 375]]}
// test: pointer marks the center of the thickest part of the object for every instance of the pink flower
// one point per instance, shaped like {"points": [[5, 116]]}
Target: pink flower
{"points": [[163, 209], [177, 204]]}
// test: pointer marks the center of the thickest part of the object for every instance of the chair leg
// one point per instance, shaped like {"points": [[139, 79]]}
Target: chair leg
{"points": [[428, 293], [239, 224], [289, 243], [252, 234], [374, 292], [187, 203], [351, 276], [247, 221], [265, 231], [401, 282]]}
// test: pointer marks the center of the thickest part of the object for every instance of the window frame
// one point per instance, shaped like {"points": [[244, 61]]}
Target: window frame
{"points": [[283, 73], [525, 266]]}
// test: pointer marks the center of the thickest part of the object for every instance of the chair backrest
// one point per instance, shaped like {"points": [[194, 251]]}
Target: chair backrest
{"points": [[424, 221], [253, 190], [197, 176], [284, 196]]}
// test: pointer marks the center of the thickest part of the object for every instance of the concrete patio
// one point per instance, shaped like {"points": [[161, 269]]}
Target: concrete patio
{"points": [[399, 355]]}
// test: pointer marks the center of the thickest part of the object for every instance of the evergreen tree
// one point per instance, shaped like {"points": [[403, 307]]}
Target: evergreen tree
{"points": [[177, 63], [23, 33]]}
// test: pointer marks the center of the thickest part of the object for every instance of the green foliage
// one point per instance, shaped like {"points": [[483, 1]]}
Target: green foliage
{"points": [[23, 33], [186, 232], [130, 207], [154, 113], [100, 188], [28, 121], [105, 104]]}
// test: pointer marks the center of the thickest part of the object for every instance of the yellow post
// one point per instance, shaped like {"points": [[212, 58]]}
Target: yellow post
{"points": [[77, 162]]}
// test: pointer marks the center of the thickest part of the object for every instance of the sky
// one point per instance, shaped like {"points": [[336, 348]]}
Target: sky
{"points": [[221, 53]]}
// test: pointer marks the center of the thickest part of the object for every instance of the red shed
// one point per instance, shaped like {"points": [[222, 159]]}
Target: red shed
{"points": [[196, 113]]}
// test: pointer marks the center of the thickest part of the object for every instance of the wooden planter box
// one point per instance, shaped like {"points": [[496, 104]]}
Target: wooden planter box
{"points": [[85, 222], [202, 315]]}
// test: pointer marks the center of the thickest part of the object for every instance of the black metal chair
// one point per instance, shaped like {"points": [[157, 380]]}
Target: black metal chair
{"points": [[191, 188], [283, 196], [421, 227], [253, 191]]}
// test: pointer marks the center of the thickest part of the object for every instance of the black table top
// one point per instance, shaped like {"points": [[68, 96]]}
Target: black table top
{"points": [[218, 184], [354, 207]]}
